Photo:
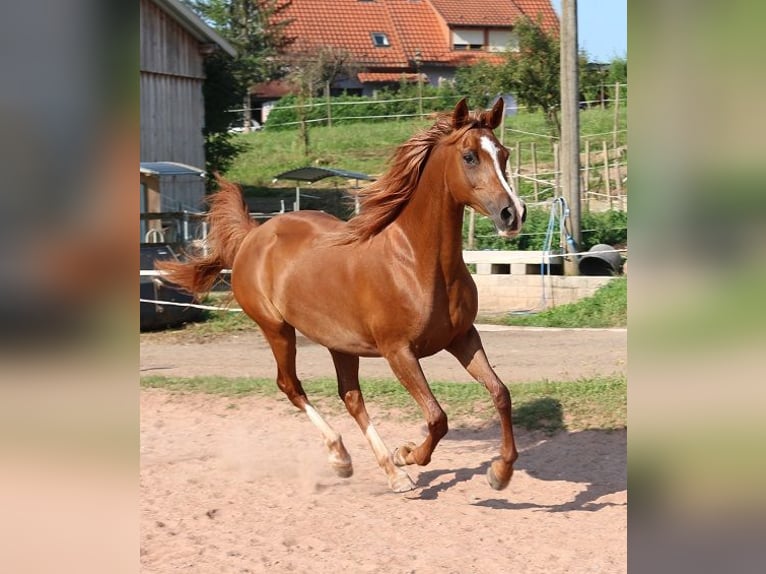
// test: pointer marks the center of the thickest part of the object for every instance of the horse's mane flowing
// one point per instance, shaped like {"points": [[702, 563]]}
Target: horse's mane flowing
{"points": [[383, 200]]}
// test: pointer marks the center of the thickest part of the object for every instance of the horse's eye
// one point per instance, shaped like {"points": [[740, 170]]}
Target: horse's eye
{"points": [[469, 157]]}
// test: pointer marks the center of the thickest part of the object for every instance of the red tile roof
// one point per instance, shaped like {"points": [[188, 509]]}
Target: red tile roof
{"points": [[500, 13], [388, 77], [478, 12], [345, 24], [411, 26], [272, 89]]}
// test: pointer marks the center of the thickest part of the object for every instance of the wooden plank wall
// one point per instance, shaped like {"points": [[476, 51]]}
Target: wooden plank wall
{"points": [[172, 106]]}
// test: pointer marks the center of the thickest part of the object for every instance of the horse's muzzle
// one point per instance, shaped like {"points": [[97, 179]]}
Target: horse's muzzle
{"points": [[508, 222]]}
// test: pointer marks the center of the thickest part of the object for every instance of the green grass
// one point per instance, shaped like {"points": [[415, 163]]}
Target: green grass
{"points": [[596, 125], [356, 147], [544, 405], [608, 307], [366, 147]]}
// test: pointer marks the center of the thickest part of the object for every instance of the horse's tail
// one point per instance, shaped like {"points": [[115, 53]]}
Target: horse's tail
{"points": [[228, 222]]}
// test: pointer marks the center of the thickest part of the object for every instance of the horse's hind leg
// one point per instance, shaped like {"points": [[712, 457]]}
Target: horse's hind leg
{"points": [[469, 350], [347, 369], [281, 337]]}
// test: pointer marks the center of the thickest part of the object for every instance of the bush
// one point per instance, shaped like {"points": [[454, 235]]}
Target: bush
{"points": [[366, 108], [608, 227]]}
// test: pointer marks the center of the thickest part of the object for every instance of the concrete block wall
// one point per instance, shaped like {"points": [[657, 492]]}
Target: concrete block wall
{"points": [[506, 293]]}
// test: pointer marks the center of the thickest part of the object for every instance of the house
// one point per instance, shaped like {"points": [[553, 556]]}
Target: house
{"points": [[174, 42], [391, 40]]}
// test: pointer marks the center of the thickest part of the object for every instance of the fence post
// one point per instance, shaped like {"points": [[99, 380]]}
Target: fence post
{"points": [[618, 181], [502, 129], [586, 174], [471, 227], [606, 172], [616, 113], [535, 184], [420, 93], [518, 169], [556, 171], [329, 104]]}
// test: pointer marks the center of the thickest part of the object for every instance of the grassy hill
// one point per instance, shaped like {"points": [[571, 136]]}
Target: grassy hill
{"points": [[367, 146]]}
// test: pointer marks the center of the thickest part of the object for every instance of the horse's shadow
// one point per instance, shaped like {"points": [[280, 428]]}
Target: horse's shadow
{"points": [[597, 458]]}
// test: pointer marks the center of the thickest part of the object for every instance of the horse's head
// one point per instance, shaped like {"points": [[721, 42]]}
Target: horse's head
{"points": [[479, 160]]}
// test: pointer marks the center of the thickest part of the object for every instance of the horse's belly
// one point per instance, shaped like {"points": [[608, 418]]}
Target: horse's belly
{"points": [[335, 335]]}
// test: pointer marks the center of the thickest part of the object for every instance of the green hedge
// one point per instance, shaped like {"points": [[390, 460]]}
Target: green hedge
{"points": [[435, 100], [608, 227]]}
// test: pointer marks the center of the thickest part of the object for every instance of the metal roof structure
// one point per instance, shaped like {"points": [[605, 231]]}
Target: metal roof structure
{"points": [[312, 174], [169, 168]]}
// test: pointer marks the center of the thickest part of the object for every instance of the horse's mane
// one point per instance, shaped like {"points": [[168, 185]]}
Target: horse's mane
{"points": [[382, 201]]}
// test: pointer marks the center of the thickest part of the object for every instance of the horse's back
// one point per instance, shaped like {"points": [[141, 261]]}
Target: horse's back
{"points": [[276, 245]]}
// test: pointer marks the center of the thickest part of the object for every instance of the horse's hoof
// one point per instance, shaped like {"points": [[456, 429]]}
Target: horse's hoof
{"points": [[343, 470], [495, 482], [401, 453], [402, 483]]}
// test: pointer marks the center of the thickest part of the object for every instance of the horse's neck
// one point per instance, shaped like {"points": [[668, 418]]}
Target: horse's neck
{"points": [[432, 222]]}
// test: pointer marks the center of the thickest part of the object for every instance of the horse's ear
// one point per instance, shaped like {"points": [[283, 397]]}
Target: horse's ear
{"points": [[460, 114], [493, 118]]}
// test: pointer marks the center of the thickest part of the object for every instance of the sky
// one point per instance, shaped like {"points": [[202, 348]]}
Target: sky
{"points": [[602, 28]]}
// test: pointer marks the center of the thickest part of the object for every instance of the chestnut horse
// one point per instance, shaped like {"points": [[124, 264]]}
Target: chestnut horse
{"points": [[390, 282]]}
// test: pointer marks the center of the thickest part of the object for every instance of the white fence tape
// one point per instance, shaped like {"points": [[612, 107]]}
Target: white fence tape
{"points": [[155, 273]]}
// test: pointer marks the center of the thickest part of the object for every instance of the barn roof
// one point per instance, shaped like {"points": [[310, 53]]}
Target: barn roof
{"points": [[194, 24]]}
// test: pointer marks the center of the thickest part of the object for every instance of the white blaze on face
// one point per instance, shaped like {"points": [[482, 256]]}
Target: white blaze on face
{"points": [[489, 146]]}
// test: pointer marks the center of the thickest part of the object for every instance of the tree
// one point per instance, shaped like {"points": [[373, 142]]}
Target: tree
{"points": [[618, 71], [592, 82], [253, 28], [597, 80], [482, 82], [221, 92], [313, 72], [532, 73]]}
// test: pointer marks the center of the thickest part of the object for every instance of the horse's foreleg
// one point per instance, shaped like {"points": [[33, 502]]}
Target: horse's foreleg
{"points": [[469, 350], [282, 341], [347, 369], [407, 369]]}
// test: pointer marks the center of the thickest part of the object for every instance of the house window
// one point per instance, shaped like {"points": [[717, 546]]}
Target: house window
{"points": [[503, 40], [467, 39], [380, 40]]}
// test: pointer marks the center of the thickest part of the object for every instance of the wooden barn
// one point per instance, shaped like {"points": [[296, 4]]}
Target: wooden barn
{"points": [[174, 42]]}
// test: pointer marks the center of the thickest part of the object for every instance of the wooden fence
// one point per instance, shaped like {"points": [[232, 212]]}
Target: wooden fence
{"points": [[603, 172]]}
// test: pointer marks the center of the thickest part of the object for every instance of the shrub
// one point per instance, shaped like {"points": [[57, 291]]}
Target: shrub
{"points": [[609, 227], [366, 108]]}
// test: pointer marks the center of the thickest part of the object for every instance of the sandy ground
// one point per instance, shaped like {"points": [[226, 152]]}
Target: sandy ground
{"points": [[242, 485]]}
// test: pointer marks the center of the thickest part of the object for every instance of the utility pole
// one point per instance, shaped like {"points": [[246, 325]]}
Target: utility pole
{"points": [[418, 61], [570, 126]]}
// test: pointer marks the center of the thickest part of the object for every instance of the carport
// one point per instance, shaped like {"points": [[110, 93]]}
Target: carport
{"points": [[312, 174]]}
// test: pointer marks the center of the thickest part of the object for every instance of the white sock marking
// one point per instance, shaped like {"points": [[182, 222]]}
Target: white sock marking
{"points": [[329, 434], [377, 444]]}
